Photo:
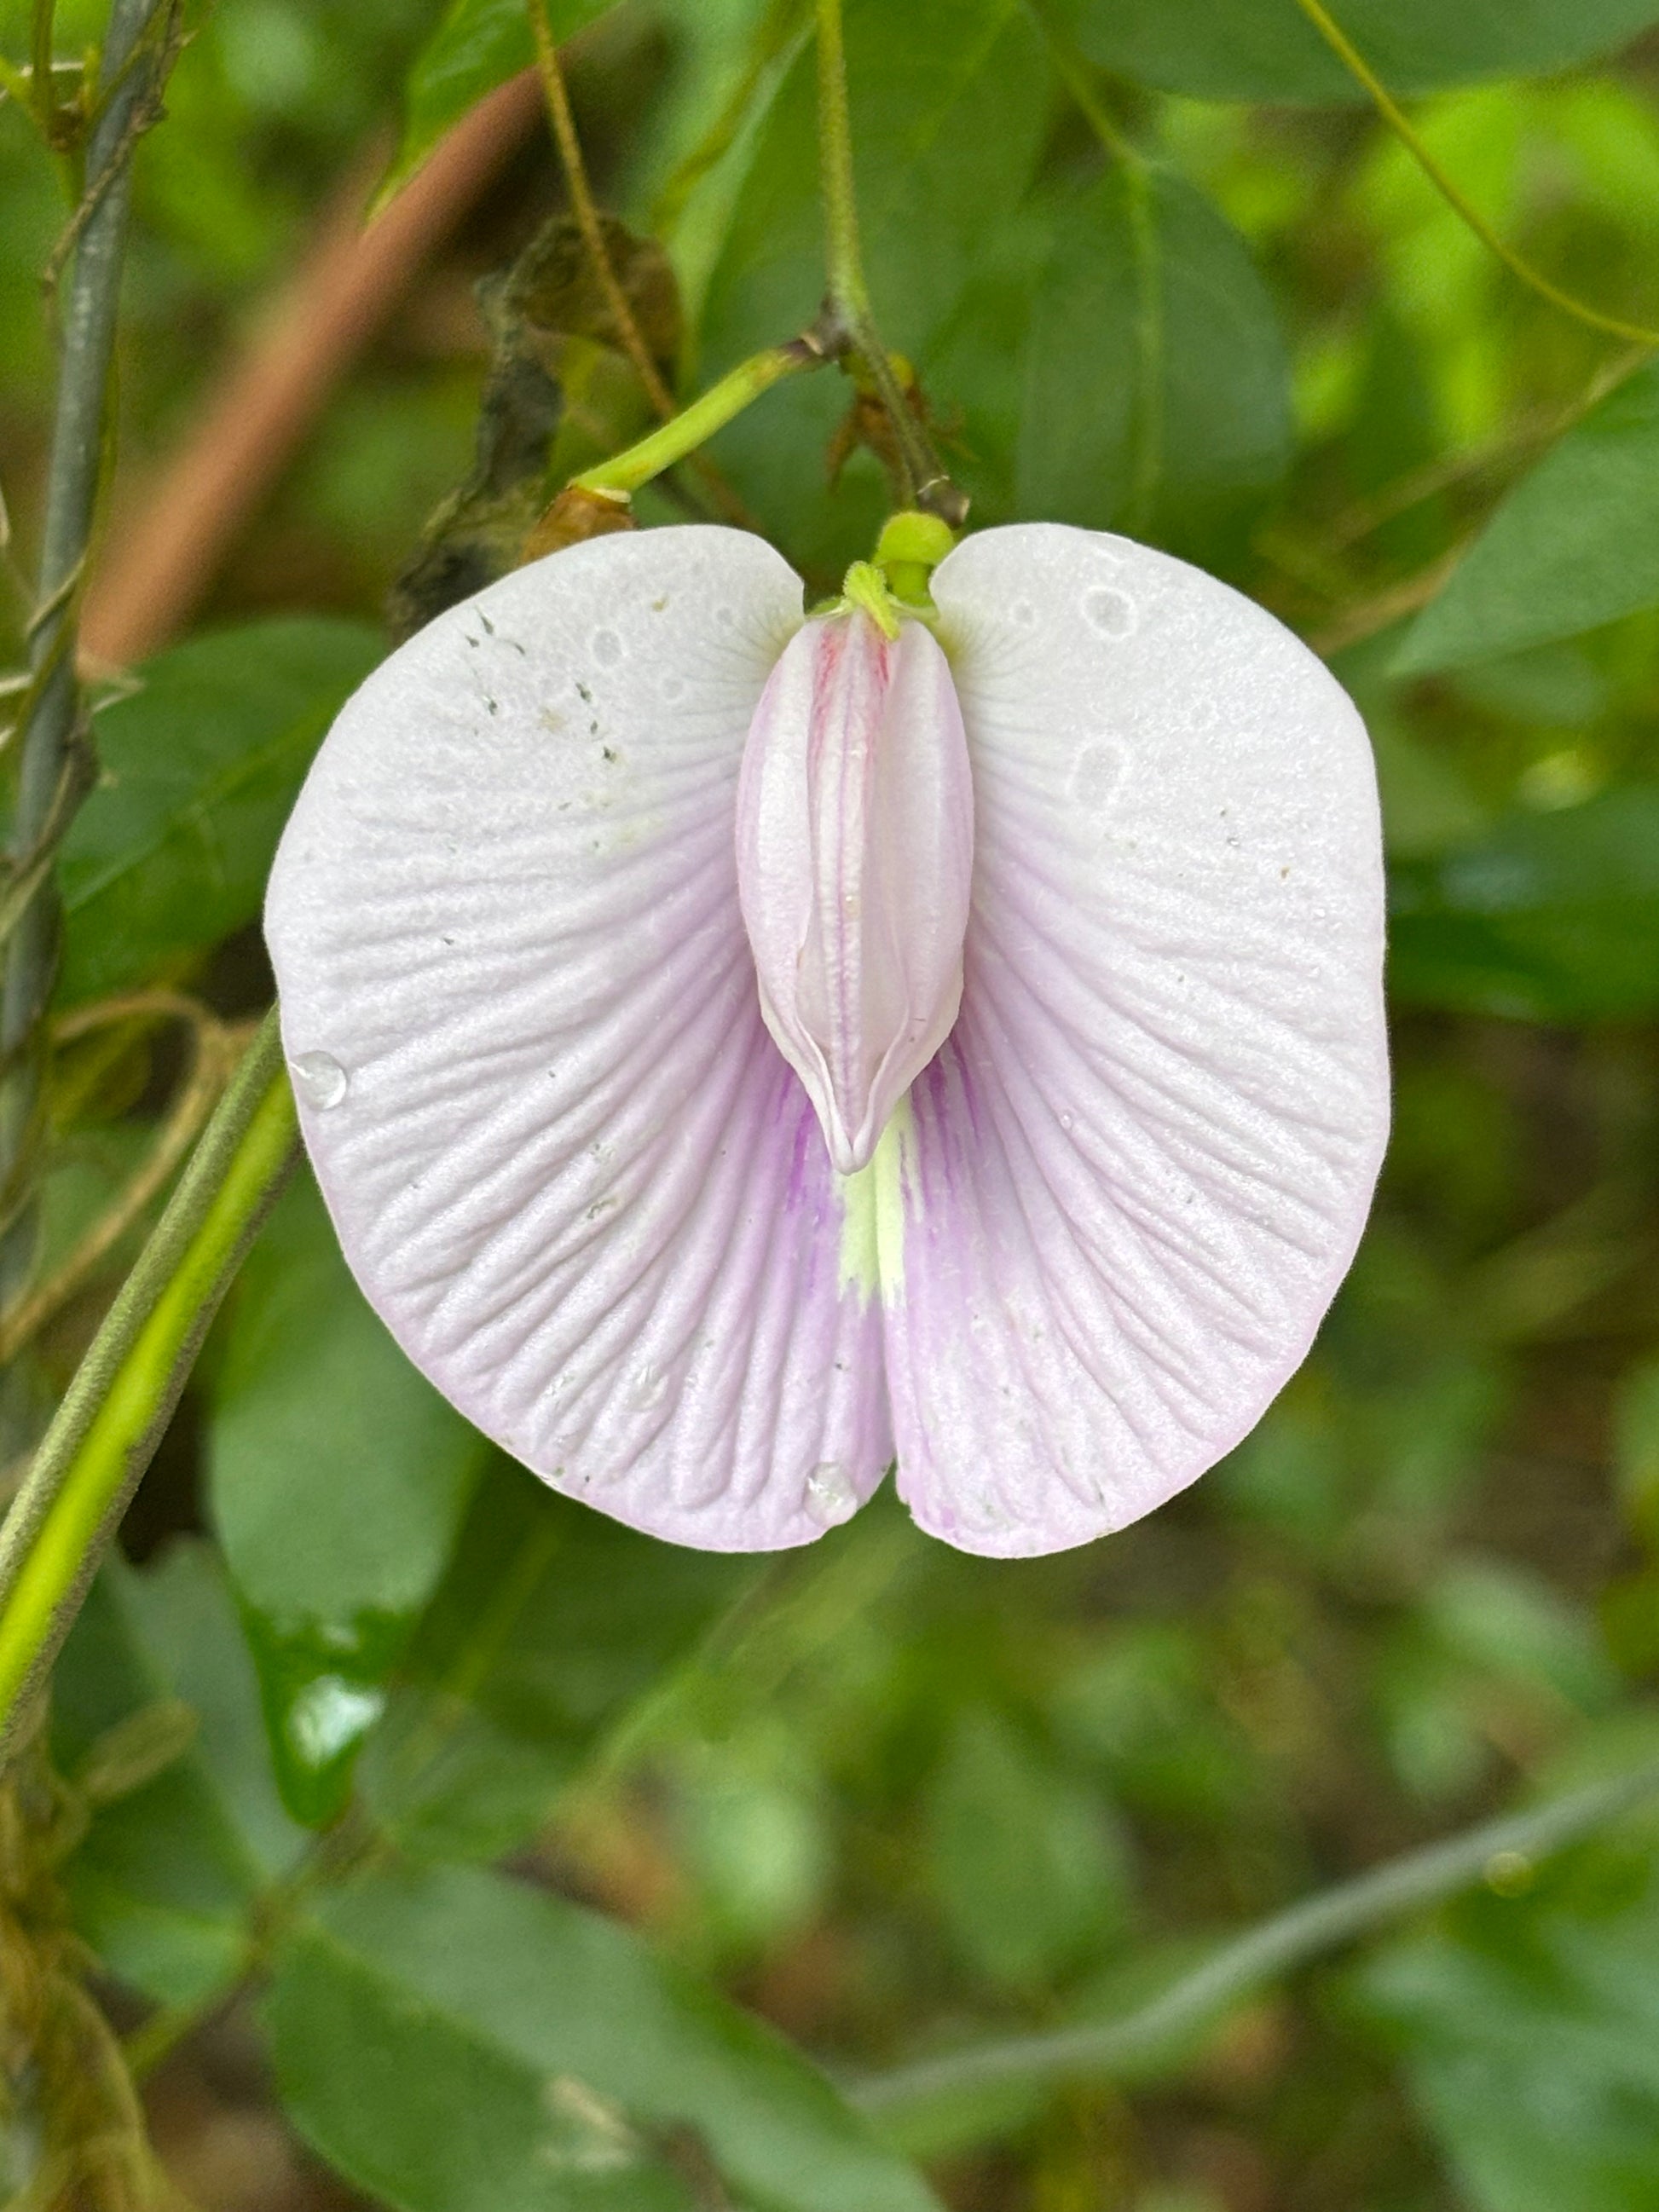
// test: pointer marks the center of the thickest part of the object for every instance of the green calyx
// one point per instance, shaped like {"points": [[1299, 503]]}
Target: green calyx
{"points": [[865, 586], [911, 546]]}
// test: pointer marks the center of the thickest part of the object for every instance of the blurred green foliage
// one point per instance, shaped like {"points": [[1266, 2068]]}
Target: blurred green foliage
{"points": [[887, 1798]]}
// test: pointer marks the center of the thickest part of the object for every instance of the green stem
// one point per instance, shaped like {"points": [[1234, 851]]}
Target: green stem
{"points": [[922, 484], [124, 1390], [43, 89], [1394, 116], [695, 425], [1240, 1968], [843, 259], [51, 733]]}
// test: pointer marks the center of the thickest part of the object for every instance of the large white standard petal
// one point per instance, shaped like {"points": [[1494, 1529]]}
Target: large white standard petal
{"points": [[566, 1164], [1134, 1175]]}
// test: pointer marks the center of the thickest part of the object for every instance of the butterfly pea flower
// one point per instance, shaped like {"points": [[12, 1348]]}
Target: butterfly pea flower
{"points": [[743, 1050]]}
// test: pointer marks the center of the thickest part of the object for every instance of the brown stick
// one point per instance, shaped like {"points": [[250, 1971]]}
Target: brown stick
{"points": [[158, 565]]}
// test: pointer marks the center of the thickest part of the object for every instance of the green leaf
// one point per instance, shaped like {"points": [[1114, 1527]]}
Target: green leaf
{"points": [[337, 1478], [1553, 917], [1530, 2036], [949, 101], [1029, 1871], [1126, 422], [454, 2041], [200, 765], [1636, 1447], [165, 1883], [478, 44], [1574, 545], [1141, 1705], [1269, 50], [551, 1624]]}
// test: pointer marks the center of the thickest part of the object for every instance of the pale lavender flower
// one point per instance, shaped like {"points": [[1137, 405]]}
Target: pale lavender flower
{"points": [[623, 911]]}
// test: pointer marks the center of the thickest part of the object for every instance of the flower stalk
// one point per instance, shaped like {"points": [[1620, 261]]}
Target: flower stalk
{"points": [[53, 750], [112, 1417], [921, 483], [625, 472]]}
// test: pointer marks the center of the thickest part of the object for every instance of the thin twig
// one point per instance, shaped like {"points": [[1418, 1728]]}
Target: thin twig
{"points": [[922, 482], [173, 535], [726, 502], [1264, 1953], [72, 480], [115, 1409], [1539, 428], [1397, 120], [212, 1049], [141, 114], [1367, 617], [563, 124]]}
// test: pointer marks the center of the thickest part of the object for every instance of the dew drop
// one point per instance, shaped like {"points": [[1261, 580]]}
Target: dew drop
{"points": [[1096, 775], [672, 687], [646, 1387], [607, 647], [1024, 613], [1113, 613], [319, 1079], [830, 1497], [725, 616], [1066, 1121]]}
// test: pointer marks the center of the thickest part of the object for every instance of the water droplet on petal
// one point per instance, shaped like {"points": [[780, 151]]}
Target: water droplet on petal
{"points": [[319, 1079], [672, 687], [646, 1389], [1024, 613], [607, 647], [1113, 613], [1096, 776], [830, 1497]]}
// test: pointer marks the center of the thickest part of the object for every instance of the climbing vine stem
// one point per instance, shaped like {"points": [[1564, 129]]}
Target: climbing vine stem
{"points": [[53, 751], [112, 1417], [1503, 1852], [921, 481], [1403, 129]]}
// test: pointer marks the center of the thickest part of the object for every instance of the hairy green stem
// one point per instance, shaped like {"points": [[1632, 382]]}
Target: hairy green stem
{"points": [[47, 786], [843, 259], [1397, 120], [124, 1390], [1238, 1969], [682, 433], [922, 484]]}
